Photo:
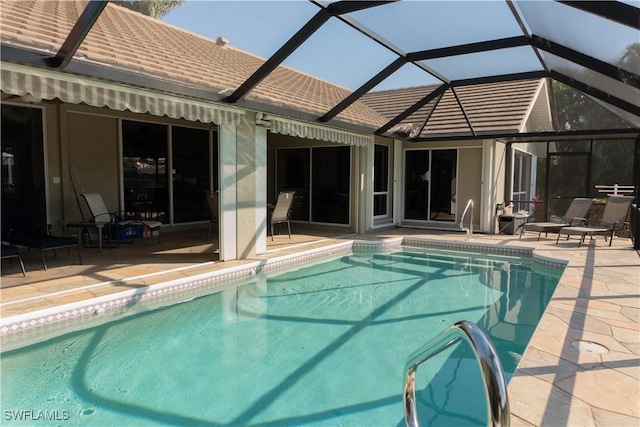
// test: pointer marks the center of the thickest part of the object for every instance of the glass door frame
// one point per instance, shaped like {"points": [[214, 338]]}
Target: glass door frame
{"points": [[213, 142], [530, 191], [41, 201], [387, 192], [429, 174], [311, 184]]}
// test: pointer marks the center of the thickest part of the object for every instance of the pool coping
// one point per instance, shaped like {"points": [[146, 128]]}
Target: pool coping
{"points": [[31, 327]]}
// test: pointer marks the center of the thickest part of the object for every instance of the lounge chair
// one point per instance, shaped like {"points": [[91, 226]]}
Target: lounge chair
{"points": [[20, 229], [282, 211], [214, 210], [10, 252], [575, 215], [100, 214], [613, 218]]}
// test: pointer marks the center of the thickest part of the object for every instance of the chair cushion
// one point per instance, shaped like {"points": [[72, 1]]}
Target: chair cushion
{"points": [[46, 242], [9, 250]]}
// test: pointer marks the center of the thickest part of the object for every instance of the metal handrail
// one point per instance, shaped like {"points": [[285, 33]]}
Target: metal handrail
{"points": [[488, 361], [469, 230]]}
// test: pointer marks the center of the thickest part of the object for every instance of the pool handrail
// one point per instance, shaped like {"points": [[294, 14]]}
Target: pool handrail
{"points": [[488, 361], [469, 229]]}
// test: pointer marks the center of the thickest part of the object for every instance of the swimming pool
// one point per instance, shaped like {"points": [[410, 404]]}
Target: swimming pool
{"points": [[320, 345]]}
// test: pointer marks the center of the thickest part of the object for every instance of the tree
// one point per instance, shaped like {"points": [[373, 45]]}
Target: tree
{"points": [[576, 111], [153, 8]]}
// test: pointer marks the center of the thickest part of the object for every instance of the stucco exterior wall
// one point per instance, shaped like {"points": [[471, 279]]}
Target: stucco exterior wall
{"points": [[93, 161], [469, 182]]}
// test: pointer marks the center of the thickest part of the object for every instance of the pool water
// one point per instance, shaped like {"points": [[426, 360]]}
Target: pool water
{"points": [[321, 345]]}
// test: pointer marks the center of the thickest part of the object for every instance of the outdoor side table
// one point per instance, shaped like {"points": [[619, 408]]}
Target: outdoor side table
{"points": [[511, 224], [86, 224]]}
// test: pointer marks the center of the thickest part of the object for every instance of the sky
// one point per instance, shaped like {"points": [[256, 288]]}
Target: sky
{"points": [[336, 52], [261, 27], [343, 56]]}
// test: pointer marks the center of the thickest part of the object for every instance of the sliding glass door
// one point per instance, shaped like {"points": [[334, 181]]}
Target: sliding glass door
{"points": [[144, 162], [430, 185], [23, 159], [416, 184], [294, 174], [321, 178], [190, 169], [150, 178]]}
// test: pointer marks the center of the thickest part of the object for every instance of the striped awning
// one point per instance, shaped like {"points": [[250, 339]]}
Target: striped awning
{"points": [[44, 84], [321, 133]]}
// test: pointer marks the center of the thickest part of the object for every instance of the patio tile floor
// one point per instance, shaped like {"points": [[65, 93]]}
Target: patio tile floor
{"points": [[562, 379]]}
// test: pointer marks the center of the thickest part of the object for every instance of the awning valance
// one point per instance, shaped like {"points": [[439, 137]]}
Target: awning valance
{"points": [[44, 84], [322, 133]]}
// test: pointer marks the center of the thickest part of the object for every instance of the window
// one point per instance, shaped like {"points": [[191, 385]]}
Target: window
{"points": [[521, 181], [381, 181]]}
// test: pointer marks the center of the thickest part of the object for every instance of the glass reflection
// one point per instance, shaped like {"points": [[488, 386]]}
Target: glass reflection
{"points": [[576, 111], [420, 25], [191, 161], [587, 33], [482, 64], [584, 75], [359, 59], [146, 189]]}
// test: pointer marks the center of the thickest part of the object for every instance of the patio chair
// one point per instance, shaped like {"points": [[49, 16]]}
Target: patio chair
{"points": [[100, 214], [10, 252], [576, 215], [282, 210], [20, 229], [214, 210], [613, 219]]}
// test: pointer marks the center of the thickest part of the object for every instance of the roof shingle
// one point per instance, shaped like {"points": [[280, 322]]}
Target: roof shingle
{"points": [[490, 107], [130, 41]]}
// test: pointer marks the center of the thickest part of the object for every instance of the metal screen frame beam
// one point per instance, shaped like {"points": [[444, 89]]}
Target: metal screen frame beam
{"points": [[596, 93], [539, 137], [78, 33], [500, 78], [613, 10], [586, 61], [464, 112], [307, 30], [357, 94], [281, 54], [415, 107], [469, 48]]}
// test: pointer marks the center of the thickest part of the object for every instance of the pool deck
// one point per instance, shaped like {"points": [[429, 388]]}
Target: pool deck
{"points": [[582, 366]]}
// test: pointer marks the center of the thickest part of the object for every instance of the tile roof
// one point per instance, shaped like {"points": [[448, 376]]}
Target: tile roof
{"points": [[126, 40], [491, 107], [131, 41]]}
